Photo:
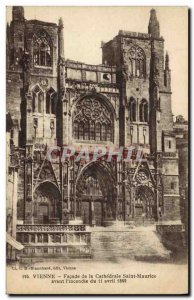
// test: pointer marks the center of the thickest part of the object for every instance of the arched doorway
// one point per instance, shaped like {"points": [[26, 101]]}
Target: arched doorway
{"points": [[96, 195], [47, 204], [145, 204]]}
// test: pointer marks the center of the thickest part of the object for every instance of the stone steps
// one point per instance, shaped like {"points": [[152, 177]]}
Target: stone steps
{"points": [[111, 245]]}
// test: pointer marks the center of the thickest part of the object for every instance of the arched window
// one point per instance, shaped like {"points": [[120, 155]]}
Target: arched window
{"points": [[37, 100], [51, 101], [132, 109], [41, 50], [92, 120], [143, 111], [136, 62]]}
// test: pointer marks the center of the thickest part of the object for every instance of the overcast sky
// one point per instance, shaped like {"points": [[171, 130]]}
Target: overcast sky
{"points": [[86, 27]]}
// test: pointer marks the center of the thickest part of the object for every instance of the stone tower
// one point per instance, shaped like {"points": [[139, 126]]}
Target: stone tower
{"points": [[144, 79]]}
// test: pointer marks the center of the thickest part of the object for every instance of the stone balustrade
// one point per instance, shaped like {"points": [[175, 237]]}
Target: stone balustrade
{"points": [[50, 228]]}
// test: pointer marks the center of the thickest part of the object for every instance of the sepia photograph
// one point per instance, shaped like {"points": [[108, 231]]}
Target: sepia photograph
{"points": [[97, 150]]}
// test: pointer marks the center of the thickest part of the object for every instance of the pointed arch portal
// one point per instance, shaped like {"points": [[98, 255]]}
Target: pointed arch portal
{"points": [[96, 195], [47, 204], [145, 204]]}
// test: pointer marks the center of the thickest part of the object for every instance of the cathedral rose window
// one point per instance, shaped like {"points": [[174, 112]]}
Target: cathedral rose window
{"points": [[92, 120]]}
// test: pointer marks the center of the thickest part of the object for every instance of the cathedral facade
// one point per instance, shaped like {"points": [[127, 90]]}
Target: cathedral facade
{"points": [[123, 102]]}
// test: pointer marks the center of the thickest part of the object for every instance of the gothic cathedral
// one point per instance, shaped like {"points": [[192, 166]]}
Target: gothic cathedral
{"points": [[125, 101]]}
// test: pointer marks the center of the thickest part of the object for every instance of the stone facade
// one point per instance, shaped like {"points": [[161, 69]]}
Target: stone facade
{"points": [[125, 101]]}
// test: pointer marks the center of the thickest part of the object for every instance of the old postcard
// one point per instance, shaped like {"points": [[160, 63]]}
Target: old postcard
{"points": [[97, 150]]}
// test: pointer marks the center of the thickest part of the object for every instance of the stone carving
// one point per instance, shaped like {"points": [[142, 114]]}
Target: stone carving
{"points": [[142, 176], [43, 82]]}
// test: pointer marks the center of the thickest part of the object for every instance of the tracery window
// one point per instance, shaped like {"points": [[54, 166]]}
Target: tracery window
{"points": [[143, 111], [92, 120], [41, 50], [132, 109], [38, 100], [136, 58]]}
